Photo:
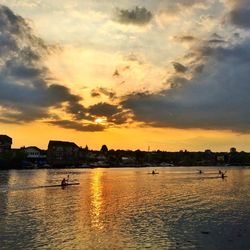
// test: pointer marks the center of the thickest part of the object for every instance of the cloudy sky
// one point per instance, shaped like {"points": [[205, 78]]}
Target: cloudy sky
{"points": [[163, 74]]}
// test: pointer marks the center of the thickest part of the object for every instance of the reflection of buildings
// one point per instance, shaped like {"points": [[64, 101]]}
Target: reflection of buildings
{"points": [[5, 143], [96, 201], [62, 153]]}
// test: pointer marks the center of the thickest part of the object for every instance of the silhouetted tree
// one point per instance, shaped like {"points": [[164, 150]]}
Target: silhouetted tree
{"points": [[104, 148], [140, 156]]}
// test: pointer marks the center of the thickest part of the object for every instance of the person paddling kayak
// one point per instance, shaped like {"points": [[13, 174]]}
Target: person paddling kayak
{"points": [[223, 174], [63, 182]]}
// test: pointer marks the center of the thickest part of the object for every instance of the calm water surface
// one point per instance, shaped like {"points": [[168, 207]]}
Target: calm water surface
{"points": [[125, 209]]}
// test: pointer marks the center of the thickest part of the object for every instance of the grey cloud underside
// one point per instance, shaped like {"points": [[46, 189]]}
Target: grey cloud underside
{"points": [[114, 114], [241, 17], [103, 109], [215, 98], [240, 14], [179, 67], [137, 16], [68, 124], [27, 92]]}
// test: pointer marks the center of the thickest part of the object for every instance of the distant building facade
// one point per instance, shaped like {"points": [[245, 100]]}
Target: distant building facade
{"points": [[5, 143], [63, 153], [35, 156], [221, 159]]}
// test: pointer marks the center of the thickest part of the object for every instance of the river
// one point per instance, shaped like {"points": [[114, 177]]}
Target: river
{"points": [[125, 208]]}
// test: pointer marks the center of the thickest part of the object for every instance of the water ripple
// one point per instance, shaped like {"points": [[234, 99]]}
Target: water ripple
{"points": [[125, 209]]}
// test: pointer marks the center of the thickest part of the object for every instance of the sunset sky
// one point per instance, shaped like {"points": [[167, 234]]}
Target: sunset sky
{"points": [[164, 74]]}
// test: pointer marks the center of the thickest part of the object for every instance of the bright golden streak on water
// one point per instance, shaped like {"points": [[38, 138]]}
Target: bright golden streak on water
{"points": [[96, 199]]}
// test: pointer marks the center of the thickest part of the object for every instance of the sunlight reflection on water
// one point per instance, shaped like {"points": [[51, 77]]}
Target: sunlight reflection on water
{"points": [[125, 209], [96, 199]]}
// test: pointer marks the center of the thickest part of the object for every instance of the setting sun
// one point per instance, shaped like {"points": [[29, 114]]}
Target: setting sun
{"points": [[100, 120]]}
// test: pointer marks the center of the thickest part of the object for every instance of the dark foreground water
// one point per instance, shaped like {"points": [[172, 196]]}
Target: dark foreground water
{"points": [[125, 209]]}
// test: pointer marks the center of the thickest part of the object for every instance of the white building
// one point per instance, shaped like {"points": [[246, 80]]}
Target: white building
{"points": [[34, 153]]}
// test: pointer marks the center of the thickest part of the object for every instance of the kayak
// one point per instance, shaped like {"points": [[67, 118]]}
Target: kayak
{"points": [[59, 185], [153, 173]]}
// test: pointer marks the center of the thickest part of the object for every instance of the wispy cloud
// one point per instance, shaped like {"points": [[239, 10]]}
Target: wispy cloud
{"points": [[137, 16]]}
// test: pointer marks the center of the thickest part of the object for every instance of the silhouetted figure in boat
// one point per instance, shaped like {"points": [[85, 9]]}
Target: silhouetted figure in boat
{"points": [[200, 171], [63, 182], [223, 175], [154, 172]]}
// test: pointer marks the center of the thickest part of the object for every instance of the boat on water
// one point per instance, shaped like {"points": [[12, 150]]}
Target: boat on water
{"points": [[154, 172], [69, 184], [65, 182], [60, 185]]}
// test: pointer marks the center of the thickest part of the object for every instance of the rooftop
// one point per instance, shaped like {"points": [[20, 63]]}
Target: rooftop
{"points": [[62, 143], [5, 138]]}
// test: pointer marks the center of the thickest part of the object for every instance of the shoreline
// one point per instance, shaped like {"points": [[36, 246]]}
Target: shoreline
{"points": [[122, 167]]}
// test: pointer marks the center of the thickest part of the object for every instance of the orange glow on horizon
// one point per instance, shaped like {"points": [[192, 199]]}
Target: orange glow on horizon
{"points": [[131, 138]]}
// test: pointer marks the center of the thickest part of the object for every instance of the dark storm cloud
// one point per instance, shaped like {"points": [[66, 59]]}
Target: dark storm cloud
{"points": [[198, 68], [136, 16], [241, 17], [240, 13], [29, 115], [27, 89], [103, 109], [114, 114], [216, 97], [120, 118], [77, 110], [78, 126], [177, 80], [180, 68]]}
